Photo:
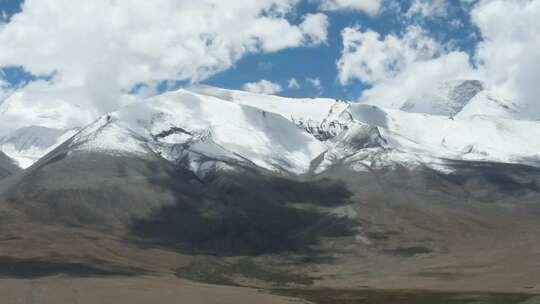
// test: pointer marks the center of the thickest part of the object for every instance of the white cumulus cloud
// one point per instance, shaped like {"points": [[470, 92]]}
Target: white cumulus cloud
{"points": [[316, 83], [315, 28], [509, 55], [371, 58], [397, 67], [371, 7], [262, 87], [293, 83], [99, 50], [4, 89], [427, 9]]}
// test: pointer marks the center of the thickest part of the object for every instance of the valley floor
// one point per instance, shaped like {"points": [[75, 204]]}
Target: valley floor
{"points": [[383, 237], [140, 290], [50, 264], [147, 289]]}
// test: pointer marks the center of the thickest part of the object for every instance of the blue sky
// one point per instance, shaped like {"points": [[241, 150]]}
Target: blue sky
{"points": [[320, 62], [316, 62], [10, 7]]}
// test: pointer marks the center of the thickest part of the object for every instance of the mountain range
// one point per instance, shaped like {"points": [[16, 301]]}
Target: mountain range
{"points": [[438, 192], [457, 121]]}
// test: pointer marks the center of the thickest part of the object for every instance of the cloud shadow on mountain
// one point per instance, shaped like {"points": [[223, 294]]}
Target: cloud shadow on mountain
{"points": [[247, 214]]}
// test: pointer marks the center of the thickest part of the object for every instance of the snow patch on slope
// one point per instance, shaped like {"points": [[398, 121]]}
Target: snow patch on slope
{"points": [[107, 136]]}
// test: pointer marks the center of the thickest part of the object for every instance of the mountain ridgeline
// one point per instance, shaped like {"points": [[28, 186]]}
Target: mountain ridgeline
{"points": [[320, 185]]}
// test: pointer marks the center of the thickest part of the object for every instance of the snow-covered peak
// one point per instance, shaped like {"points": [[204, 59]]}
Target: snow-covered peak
{"points": [[488, 104], [205, 127], [314, 109], [479, 138], [380, 137], [183, 124], [324, 118], [106, 135], [28, 144], [447, 99]]}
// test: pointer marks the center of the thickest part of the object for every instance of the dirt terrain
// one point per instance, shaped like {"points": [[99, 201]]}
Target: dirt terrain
{"points": [[90, 228], [140, 290]]}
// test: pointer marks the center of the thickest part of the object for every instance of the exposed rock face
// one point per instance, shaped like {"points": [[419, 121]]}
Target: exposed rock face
{"points": [[330, 127]]}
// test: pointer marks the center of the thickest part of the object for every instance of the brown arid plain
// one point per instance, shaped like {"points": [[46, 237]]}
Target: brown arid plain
{"points": [[84, 228]]}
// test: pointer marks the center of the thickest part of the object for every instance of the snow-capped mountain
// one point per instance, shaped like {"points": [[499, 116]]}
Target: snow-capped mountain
{"points": [[318, 116], [367, 135], [463, 99], [244, 174], [447, 99], [204, 128], [30, 129], [487, 103], [416, 139], [202, 131], [28, 144]]}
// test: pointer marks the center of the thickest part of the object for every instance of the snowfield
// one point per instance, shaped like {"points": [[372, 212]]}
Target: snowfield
{"points": [[183, 124]]}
